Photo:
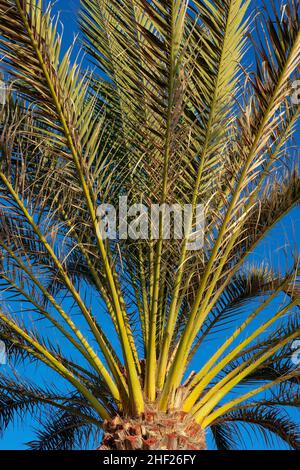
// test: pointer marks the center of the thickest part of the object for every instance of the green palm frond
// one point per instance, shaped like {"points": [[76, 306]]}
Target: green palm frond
{"points": [[64, 431], [164, 108], [267, 420], [244, 287], [20, 397], [224, 436]]}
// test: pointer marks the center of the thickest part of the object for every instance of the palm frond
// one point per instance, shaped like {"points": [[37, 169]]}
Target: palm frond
{"points": [[269, 420], [20, 397], [63, 432], [169, 112]]}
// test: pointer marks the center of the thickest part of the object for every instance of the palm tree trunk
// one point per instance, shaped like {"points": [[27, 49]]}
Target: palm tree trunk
{"points": [[153, 431]]}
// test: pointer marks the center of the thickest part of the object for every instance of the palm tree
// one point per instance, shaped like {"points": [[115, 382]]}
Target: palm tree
{"points": [[165, 107]]}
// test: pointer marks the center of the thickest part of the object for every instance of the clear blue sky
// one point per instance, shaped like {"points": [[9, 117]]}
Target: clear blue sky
{"points": [[273, 247]]}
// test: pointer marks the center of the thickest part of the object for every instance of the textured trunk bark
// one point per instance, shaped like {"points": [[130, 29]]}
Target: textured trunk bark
{"points": [[153, 431]]}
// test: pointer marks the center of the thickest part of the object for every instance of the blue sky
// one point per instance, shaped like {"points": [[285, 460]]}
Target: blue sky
{"points": [[273, 248]]}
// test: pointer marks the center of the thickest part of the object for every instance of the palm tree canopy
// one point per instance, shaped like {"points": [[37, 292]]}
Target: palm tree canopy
{"points": [[164, 108]]}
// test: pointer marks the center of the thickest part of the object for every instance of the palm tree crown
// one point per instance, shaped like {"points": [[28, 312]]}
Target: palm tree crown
{"points": [[162, 109]]}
